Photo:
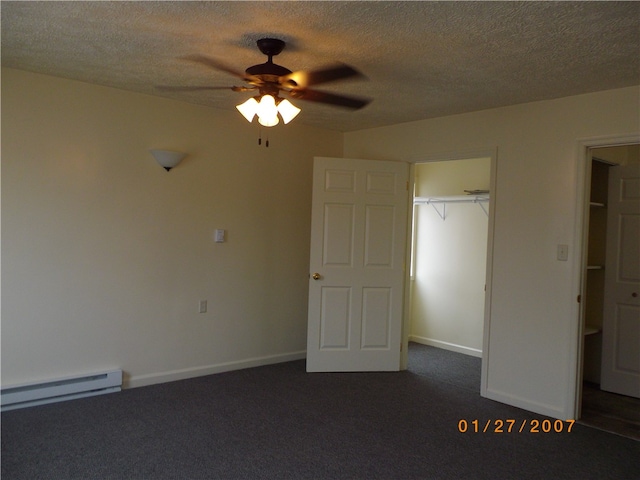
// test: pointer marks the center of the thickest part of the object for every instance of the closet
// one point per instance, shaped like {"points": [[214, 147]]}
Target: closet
{"points": [[609, 338], [451, 202], [595, 274]]}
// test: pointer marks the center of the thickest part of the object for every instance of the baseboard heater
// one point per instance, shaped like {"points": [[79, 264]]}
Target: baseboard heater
{"points": [[58, 390]]}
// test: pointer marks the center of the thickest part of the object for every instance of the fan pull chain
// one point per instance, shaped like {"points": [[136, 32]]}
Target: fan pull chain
{"points": [[266, 144]]}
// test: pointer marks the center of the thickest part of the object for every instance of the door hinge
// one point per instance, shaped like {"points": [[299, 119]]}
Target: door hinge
{"points": [[407, 185], [579, 298]]}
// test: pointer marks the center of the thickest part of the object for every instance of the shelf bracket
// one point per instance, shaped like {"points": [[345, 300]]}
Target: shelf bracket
{"points": [[483, 208], [442, 214]]}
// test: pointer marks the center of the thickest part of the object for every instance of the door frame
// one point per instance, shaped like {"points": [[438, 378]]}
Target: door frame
{"points": [[583, 187], [492, 153]]}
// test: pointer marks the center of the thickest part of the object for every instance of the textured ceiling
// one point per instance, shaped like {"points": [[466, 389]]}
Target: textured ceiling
{"points": [[422, 59]]}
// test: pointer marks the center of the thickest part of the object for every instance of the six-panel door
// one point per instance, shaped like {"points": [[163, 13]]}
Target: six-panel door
{"points": [[358, 229]]}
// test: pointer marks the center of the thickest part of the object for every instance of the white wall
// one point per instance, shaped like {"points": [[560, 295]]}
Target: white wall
{"points": [[531, 355], [447, 302], [105, 256]]}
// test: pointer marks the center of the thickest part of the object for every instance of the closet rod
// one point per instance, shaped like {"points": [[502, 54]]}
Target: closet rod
{"points": [[479, 199], [451, 199]]}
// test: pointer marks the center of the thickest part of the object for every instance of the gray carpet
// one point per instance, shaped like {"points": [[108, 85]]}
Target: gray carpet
{"points": [[445, 366], [278, 422]]}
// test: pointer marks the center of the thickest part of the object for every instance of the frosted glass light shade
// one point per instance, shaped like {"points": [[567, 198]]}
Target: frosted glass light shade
{"points": [[167, 158], [248, 109], [267, 111], [287, 110]]}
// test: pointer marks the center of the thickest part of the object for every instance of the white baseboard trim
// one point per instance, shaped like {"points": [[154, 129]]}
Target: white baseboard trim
{"points": [[474, 352], [523, 403], [183, 374]]}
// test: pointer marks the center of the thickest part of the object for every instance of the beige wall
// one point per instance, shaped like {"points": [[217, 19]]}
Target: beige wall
{"points": [[450, 255], [452, 177], [532, 341], [623, 155], [105, 256]]}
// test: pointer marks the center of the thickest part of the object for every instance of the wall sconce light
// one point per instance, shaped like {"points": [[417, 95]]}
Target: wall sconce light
{"points": [[167, 158]]}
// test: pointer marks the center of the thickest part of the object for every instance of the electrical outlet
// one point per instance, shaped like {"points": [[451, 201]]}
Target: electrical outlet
{"points": [[203, 306]]}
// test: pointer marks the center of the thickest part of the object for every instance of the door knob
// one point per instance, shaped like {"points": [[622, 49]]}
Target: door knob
{"points": [[634, 294], [316, 276]]}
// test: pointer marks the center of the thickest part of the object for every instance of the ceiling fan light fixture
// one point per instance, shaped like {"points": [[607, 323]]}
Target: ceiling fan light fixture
{"points": [[266, 108], [288, 111], [270, 80]]}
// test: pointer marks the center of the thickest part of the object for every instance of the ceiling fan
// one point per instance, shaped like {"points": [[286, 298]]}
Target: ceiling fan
{"points": [[270, 80]]}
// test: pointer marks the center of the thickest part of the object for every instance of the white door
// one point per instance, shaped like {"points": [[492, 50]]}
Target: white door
{"points": [[356, 282], [621, 321]]}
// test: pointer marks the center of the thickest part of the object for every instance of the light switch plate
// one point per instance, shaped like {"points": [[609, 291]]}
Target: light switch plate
{"points": [[219, 235], [202, 306], [563, 253]]}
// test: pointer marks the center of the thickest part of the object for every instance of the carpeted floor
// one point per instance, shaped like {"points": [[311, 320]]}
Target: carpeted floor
{"points": [[603, 410], [279, 422], [445, 366]]}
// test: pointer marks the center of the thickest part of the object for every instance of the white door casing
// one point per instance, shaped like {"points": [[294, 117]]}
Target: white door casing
{"points": [[621, 321], [356, 282]]}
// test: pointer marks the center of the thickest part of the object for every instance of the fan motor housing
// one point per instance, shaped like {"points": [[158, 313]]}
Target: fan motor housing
{"points": [[268, 69]]}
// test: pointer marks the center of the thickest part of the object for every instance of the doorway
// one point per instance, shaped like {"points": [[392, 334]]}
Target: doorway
{"points": [[599, 408], [448, 268]]}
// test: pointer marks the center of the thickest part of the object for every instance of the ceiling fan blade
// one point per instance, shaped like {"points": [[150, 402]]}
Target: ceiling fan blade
{"points": [[218, 65], [330, 98], [195, 88], [304, 79], [170, 88]]}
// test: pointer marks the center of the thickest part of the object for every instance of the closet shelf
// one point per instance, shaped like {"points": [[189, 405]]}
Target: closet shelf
{"points": [[444, 200], [590, 330], [597, 204]]}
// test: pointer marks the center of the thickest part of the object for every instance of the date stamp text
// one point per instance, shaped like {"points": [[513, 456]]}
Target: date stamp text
{"points": [[510, 425]]}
